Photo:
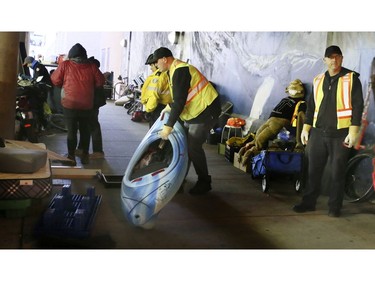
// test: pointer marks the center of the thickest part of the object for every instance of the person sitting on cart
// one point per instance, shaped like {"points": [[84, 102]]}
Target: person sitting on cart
{"points": [[284, 114]]}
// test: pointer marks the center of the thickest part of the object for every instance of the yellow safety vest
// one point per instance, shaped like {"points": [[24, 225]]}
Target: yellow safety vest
{"points": [[343, 99], [155, 90], [201, 92]]}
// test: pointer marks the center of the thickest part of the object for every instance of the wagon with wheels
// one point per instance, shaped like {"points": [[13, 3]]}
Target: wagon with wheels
{"points": [[276, 162]]}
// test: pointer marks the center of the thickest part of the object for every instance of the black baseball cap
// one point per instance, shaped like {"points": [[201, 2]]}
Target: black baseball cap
{"points": [[332, 50], [161, 53], [150, 60]]}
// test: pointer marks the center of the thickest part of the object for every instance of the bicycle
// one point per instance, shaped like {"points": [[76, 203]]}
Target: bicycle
{"points": [[134, 104], [119, 89], [360, 172]]}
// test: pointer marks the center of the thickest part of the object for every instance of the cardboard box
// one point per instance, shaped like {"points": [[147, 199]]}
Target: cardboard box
{"points": [[221, 148], [229, 152], [245, 168]]}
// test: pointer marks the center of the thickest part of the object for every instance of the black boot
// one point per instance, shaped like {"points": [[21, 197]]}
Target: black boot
{"points": [[85, 158], [202, 186], [71, 156]]}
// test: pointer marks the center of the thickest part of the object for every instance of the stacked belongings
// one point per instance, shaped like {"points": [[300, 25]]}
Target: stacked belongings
{"points": [[288, 112], [234, 144], [279, 159], [284, 155], [233, 126], [24, 173]]}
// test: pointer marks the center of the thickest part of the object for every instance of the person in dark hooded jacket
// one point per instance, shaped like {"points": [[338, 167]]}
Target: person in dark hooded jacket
{"points": [[96, 132], [78, 78]]}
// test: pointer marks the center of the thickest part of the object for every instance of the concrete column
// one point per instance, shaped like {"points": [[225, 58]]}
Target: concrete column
{"points": [[9, 42]]}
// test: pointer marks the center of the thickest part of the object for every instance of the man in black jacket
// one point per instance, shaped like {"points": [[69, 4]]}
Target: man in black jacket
{"points": [[40, 70], [331, 127], [197, 104]]}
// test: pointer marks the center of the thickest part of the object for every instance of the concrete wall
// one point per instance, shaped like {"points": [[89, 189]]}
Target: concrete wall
{"points": [[250, 69]]}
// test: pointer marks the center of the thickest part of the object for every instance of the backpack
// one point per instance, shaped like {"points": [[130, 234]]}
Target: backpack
{"points": [[138, 116], [100, 98]]}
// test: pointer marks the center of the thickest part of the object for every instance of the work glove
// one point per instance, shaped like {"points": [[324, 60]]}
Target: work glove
{"points": [[305, 133], [165, 132], [352, 136]]}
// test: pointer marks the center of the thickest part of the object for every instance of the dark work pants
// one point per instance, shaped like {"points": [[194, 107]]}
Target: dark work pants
{"points": [[196, 137], [54, 100], [322, 150], [78, 120], [96, 132], [154, 115]]}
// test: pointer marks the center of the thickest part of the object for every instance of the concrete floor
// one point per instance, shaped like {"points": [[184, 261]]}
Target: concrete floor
{"points": [[236, 214]]}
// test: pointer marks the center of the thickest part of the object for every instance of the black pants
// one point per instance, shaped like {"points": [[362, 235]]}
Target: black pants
{"points": [[96, 132], [78, 120], [154, 115], [322, 150], [196, 137]]}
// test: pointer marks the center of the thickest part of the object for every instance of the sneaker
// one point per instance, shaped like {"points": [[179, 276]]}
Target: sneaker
{"points": [[201, 187], [303, 208], [97, 155], [85, 158]]}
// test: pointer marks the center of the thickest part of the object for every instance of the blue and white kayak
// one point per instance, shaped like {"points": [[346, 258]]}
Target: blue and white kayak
{"points": [[154, 174]]}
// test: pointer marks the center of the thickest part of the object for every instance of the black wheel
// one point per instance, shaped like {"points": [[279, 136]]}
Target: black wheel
{"points": [[265, 185], [128, 104], [299, 182], [31, 134], [297, 185], [359, 185]]}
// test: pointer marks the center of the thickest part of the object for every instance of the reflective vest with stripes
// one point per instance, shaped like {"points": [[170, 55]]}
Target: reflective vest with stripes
{"points": [[343, 99], [201, 92]]}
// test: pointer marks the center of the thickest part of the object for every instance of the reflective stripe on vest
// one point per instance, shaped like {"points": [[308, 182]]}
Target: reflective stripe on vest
{"points": [[196, 89], [343, 100], [200, 94]]}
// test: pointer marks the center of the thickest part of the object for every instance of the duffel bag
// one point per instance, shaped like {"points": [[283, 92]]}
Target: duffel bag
{"points": [[258, 168]]}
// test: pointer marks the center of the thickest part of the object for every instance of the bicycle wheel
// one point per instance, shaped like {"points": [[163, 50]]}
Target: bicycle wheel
{"points": [[119, 90], [131, 108], [136, 106], [57, 121], [358, 178]]}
